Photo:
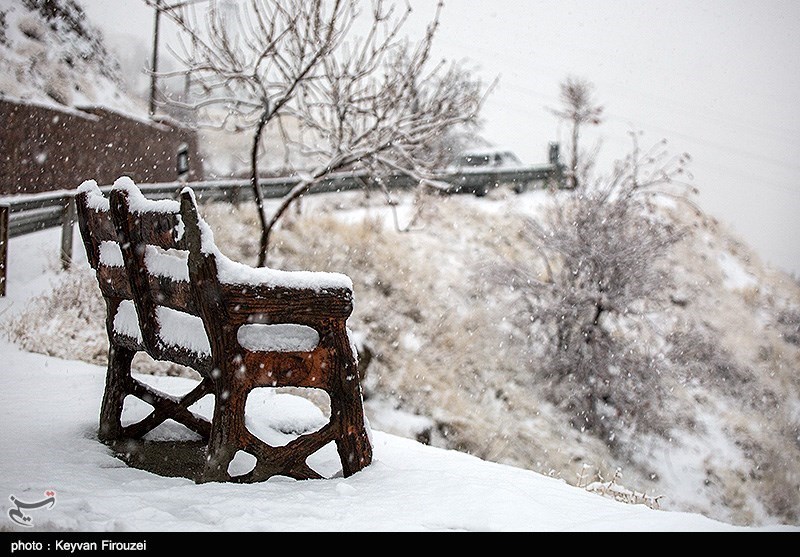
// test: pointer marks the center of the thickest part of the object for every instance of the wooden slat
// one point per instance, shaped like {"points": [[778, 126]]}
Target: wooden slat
{"points": [[156, 229], [284, 305], [113, 282], [95, 227], [167, 353], [173, 294]]}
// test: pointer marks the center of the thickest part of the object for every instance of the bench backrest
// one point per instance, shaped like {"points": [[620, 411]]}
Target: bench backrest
{"points": [[192, 304], [135, 245]]}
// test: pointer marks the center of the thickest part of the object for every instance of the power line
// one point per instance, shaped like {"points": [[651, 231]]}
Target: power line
{"points": [[645, 125], [707, 143], [774, 131], [732, 172]]}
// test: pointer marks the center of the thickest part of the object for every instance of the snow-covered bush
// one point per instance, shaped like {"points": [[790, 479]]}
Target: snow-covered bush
{"points": [[602, 250], [789, 324], [700, 358], [68, 322], [58, 87], [32, 28]]}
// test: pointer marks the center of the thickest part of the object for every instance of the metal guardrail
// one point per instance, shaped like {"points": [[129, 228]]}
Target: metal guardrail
{"points": [[30, 213]]}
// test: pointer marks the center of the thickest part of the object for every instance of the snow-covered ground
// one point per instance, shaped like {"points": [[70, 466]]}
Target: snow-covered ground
{"points": [[49, 412]]}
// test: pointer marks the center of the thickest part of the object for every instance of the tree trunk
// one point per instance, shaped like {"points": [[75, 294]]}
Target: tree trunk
{"points": [[268, 225], [575, 154], [259, 199], [301, 188]]}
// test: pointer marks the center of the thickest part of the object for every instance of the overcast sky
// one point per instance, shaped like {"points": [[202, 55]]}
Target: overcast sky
{"points": [[719, 79]]}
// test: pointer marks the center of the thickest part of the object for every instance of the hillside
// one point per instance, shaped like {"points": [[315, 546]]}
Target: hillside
{"points": [[64, 109], [459, 350], [51, 55], [453, 360]]}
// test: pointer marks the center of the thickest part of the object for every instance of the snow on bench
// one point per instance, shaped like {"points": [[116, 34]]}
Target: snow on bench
{"points": [[186, 331]]}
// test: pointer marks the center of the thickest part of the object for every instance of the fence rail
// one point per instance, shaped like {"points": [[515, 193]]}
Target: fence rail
{"points": [[30, 213]]}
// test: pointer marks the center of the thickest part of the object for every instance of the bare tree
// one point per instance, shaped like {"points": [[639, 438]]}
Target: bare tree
{"points": [[602, 249], [374, 102], [578, 108], [380, 106], [250, 60]]}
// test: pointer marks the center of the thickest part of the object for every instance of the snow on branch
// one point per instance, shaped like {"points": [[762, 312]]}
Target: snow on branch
{"points": [[249, 57], [614, 490]]}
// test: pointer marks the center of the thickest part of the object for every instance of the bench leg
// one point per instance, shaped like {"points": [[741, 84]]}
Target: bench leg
{"points": [[353, 443], [117, 379], [227, 431]]}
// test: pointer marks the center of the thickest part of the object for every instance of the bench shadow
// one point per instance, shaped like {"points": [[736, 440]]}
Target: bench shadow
{"points": [[172, 459]]}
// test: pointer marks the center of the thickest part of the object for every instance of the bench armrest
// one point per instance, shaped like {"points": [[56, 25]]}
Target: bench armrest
{"points": [[248, 304]]}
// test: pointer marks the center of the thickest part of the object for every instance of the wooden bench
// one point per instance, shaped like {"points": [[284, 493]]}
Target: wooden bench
{"points": [[171, 293]]}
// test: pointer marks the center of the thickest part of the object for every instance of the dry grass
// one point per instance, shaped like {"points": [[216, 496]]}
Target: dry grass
{"points": [[613, 489], [69, 323]]}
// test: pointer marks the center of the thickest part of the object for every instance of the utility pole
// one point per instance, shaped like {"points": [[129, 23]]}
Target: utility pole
{"points": [[160, 7], [154, 62]]}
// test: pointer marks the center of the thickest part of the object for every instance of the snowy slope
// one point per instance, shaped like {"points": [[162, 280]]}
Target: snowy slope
{"points": [[49, 409], [411, 487], [51, 55]]}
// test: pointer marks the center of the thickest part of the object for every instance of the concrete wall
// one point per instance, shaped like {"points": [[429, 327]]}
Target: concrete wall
{"points": [[43, 149]]}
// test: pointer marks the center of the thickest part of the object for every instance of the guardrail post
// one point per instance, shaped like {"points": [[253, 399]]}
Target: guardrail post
{"points": [[234, 196], [3, 248], [67, 226]]}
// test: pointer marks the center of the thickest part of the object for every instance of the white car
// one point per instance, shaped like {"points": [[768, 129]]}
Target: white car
{"points": [[489, 158], [470, 164]]}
